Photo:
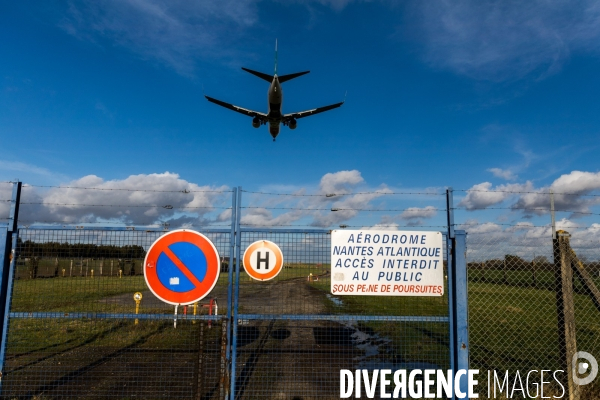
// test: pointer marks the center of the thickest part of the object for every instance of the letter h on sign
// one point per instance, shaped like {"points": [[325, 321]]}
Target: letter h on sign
{"points": [[260, 260]]}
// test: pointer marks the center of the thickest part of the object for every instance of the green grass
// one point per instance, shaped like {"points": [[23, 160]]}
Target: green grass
{"points": [[294, 271], [72, 294], [544, 279], [82, 294], [512, 321], [512, 327]]}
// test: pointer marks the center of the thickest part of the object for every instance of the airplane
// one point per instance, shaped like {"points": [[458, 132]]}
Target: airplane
{"points": [[274, 117]]}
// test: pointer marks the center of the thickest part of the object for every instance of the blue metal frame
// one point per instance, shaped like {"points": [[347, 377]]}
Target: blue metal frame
{"points": [[457, 294], [93, 315], [460, 320], [345, 317], [7, 270], [232, 241], [236, 291], [451, 275], [457, 318]]}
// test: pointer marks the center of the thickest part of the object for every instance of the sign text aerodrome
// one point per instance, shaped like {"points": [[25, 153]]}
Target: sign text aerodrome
{"points": [[386, 263]]}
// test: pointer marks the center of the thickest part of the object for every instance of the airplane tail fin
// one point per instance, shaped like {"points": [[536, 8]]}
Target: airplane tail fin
{"points": [[266, 77], [269, 78]]}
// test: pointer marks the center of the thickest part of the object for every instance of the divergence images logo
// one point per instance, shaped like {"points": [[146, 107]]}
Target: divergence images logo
{"points": [[581, 367]]}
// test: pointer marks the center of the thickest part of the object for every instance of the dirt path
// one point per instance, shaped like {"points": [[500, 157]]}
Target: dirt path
{"points": [[289, 358], [294, 358]]}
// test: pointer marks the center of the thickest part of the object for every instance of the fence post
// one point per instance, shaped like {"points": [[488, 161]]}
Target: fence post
{"points": [[236, 291], [450, 271], [460, 315], [8, 240], [232, 242], [565, 307], [457, 294]]}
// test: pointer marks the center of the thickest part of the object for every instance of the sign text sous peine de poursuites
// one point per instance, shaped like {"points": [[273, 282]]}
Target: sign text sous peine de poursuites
{"points": [[387, 263]]}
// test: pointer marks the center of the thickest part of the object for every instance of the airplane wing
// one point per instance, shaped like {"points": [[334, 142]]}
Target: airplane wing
{"points": [[307, 113], [241, 110]]}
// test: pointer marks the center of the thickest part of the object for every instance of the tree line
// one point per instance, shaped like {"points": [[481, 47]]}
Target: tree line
{"points": [[30, 249]]}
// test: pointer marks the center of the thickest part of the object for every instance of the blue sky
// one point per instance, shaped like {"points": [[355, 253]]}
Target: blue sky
{"points": [[465, 94]]}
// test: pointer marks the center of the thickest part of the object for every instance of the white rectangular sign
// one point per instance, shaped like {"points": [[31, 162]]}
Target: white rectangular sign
{"points": [[386, 263]]}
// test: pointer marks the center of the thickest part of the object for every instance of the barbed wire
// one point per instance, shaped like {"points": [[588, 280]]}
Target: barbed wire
{"points": [[525, 192], [524, 209], [166, 206], [345, 209], [131, 190], [344, 194], [63, 223], [343, 226], [518, 225]]}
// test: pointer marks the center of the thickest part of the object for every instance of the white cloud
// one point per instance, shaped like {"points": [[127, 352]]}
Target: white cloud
{"points": [[175, 32], [26, 168], [348, 208], [257, 217], [415, 216], [570, 190], [504, 40], [571, 194], [503, 173], [312, 206], [383, 227], [488, 240], [136, 200], [483, 195], [340, 182], [418, 213]]}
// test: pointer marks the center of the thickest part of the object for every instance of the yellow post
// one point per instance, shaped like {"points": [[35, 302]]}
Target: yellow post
{"points": [[64, 270], [195, 311], [137, 297], [120, 273], [92, 271]]}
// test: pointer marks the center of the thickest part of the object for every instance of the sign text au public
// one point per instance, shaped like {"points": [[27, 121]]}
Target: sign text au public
{"points": [[387, 263]]}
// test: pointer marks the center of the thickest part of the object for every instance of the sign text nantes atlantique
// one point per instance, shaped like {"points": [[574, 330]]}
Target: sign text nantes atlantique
{"points": [[386, 263]]}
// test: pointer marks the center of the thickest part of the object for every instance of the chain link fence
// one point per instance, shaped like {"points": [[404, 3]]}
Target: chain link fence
{"points": [[515, 295], [74, 331], [294, 336]]}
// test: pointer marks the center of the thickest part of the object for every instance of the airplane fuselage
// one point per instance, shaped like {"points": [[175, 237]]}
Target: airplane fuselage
{"points": [[275, 98], [274, 117]]}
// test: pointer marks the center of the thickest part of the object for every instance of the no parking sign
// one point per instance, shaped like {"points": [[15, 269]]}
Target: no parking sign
{"points": [[182, 267]]}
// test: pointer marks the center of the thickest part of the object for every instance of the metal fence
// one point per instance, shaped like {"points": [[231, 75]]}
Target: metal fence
{"points": [[71, 328], [73, 331], [517, 306]]}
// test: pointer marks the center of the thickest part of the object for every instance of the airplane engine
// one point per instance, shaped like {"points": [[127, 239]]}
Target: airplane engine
{"points": [[256, 122], [292, 124]]}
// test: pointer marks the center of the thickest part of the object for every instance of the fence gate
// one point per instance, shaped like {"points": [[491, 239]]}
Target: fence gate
{"points": [[71, 328], [291, 337]]}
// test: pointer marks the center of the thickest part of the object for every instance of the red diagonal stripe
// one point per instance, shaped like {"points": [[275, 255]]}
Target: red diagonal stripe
{"points": [[181, 266]]}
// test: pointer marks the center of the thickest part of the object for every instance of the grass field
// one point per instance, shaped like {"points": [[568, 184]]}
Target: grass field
{"points": [[512, 320]]}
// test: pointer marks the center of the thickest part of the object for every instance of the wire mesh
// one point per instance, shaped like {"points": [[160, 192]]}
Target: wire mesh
{"points": [[74, 331], [513, 312], [294, 336]]}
